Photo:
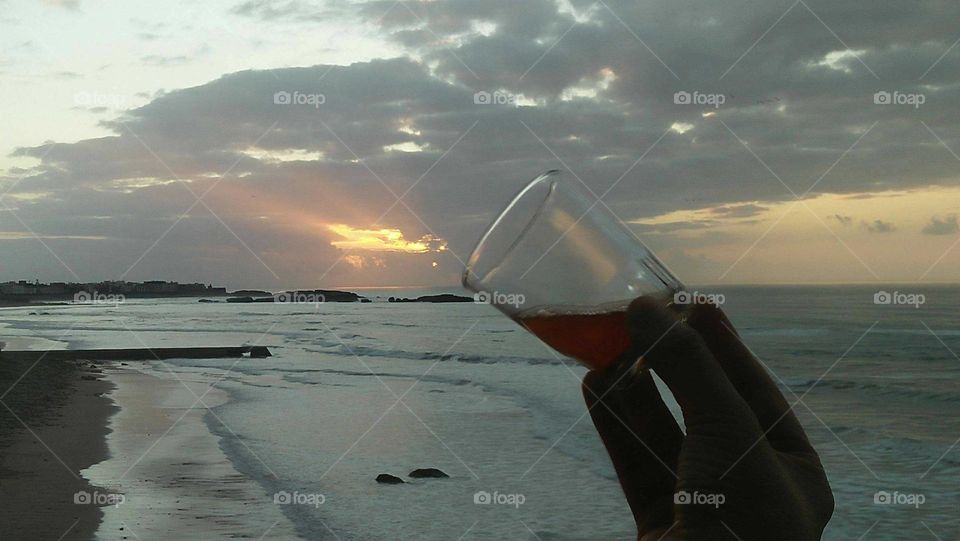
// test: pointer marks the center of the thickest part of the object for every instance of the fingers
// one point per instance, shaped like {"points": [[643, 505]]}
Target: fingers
{"points": [[680, 357], [749, 377], [643, 441]]}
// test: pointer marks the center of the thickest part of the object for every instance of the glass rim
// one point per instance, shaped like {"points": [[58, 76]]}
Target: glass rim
{"points": [[501, 216]]}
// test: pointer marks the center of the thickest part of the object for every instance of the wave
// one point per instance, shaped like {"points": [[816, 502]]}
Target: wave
{"points": [[367, 351], [877, 389], [922, 332], [796, 332]]}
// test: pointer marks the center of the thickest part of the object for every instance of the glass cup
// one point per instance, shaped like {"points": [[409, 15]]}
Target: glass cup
{"points": [[560, 264]]}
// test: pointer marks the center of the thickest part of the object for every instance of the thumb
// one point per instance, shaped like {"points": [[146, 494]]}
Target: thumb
{"points": [[677, 353]]}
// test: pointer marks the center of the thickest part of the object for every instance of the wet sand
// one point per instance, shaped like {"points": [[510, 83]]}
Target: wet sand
{"points": [[54, 420], [175, 478], [112, 452]]}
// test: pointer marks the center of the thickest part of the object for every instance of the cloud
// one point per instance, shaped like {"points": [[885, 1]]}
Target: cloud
{"points": [[594, 99], [878, 226], [383, 240], [173, 60], [360, 262], [945, 226], [738, 211], [163, 61], [844, 220], [272, 10]]}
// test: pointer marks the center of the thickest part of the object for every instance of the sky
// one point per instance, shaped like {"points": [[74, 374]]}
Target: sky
{"points": [[337, 143]]}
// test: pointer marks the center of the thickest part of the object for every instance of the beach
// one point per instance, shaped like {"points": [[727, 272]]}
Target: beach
{"points": [[167, 477], [290, 446], [55, 427], [175, 479]]}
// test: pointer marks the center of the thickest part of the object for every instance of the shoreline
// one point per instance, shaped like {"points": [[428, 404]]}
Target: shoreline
{"points": [[171, 468], [42, 492], [115, 451]]}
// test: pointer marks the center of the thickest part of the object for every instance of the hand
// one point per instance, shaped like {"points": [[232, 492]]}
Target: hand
{"points": [[744, 470]]}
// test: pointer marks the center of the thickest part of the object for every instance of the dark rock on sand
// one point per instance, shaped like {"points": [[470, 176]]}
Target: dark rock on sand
{"points": [[388, 479], [421, 473]]}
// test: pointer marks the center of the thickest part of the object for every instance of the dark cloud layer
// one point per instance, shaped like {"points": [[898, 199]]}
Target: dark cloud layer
{"points": [[798, 104]]}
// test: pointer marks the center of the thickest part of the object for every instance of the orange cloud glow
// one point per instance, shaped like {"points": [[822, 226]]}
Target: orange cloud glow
{"points": [[383, 240]]}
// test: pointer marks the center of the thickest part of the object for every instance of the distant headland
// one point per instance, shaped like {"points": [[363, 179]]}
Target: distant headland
{"points": [[328, 295], [26, 292]]}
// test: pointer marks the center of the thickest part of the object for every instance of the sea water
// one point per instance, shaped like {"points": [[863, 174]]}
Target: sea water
{"points": [[355, 390]]}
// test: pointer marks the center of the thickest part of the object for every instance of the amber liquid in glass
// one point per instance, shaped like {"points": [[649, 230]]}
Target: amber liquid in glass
{"points": [[596, 340]]}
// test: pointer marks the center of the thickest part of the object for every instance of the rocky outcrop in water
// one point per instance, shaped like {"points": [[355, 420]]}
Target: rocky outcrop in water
{"points": [[427, 473], [445, 297], [388, 479]]}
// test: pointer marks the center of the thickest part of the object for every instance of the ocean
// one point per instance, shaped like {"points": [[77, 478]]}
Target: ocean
{"points": [[356, 390]]}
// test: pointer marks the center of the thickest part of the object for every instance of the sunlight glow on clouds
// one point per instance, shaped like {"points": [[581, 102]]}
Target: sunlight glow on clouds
{"points": [[286, 155], [602, 82], [360, 262], [384, 240]]}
